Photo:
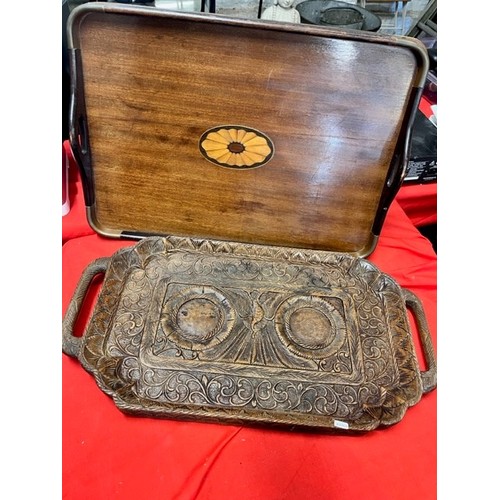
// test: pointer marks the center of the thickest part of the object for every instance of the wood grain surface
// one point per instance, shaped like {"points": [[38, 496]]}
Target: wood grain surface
{"points": [[333, 109]]}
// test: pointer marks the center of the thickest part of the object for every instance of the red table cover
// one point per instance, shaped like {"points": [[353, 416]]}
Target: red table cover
{"points": [[107, 454], [419, 201]]}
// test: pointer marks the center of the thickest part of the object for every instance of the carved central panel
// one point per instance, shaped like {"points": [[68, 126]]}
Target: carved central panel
{"points": [[210, 327], [252, 325]]}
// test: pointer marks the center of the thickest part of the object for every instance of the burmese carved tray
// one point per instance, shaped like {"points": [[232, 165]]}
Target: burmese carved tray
{"points": [[230, 332]]}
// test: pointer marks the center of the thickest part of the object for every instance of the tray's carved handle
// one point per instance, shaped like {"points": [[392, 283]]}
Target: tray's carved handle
{"points": [[429, 377], [70, 343]]}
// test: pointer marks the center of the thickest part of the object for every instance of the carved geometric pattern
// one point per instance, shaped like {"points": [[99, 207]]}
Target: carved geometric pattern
{"points": [[198, 328], [310, 326], [196, 318]]}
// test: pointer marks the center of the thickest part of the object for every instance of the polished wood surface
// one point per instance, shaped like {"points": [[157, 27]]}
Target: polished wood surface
{"points": [[333, 108]]}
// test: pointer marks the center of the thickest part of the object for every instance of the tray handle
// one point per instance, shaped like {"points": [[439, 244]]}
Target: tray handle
{"points": [[429, 377], [70, 343]]}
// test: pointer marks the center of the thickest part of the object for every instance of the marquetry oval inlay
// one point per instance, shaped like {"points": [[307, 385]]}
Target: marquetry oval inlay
{"points": [[236, 146]]}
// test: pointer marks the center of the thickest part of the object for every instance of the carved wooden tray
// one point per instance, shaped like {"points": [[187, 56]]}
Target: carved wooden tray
{"points": [[231, 332]]}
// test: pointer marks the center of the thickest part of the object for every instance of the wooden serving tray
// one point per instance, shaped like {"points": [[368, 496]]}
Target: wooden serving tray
{"points": [[238, 130], [230, 332]]}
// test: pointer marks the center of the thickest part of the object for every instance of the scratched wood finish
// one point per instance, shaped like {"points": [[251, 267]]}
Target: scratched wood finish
{"points": [[333, 109]]}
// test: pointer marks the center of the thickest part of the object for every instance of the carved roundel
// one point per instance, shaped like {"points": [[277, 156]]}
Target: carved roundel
{"points": [[236, 146], [197, 318], [310, 327]]}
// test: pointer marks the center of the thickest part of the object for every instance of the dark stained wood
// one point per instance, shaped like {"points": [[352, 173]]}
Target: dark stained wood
{"points": [[230, 332], [333, 107]]}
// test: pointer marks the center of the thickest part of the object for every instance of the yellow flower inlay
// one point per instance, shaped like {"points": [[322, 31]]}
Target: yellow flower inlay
{"points": [[236, 147]]}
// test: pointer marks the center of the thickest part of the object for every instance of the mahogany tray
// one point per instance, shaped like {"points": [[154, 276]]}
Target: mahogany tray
{"points": [[241, 130], [231, 332]]}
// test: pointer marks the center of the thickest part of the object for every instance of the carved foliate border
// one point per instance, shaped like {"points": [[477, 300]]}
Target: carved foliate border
{"points": [[136, 388]]}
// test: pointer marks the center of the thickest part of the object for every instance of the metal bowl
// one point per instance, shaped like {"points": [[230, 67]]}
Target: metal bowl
{"points": [[312, 11], [341, 17]]}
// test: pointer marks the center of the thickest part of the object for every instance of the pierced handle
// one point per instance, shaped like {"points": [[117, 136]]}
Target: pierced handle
{"points": [[70, 343], [429, 377]]}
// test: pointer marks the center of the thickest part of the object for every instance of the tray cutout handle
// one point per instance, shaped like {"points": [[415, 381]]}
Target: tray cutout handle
{"points": [[429, 376], [70, 343]]}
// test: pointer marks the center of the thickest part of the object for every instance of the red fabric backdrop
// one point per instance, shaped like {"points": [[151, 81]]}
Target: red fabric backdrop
{"points": [[419, 201]]}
